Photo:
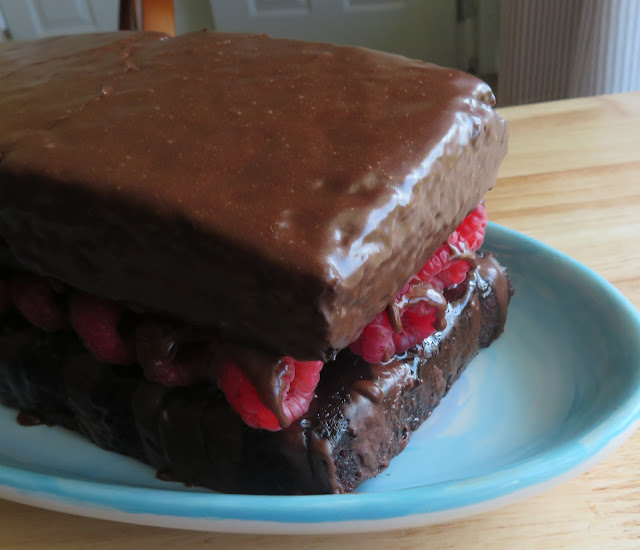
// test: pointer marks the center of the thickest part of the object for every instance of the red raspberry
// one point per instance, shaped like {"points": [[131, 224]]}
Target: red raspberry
{"points": [[37, 302], [472, 229], [438, 262], [378, 341], [454, 274], [299, 378], [443, 272], [418, 323], [96, 321]]}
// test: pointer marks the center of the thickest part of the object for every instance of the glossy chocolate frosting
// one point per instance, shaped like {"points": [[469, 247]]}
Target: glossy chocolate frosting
{"points": [[281, 191]]}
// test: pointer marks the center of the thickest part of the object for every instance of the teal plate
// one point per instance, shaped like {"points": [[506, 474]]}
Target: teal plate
{"points": [[557, 392]]}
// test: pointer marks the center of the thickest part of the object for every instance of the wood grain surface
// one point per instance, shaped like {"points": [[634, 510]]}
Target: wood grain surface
{"points": [[571, 180]]}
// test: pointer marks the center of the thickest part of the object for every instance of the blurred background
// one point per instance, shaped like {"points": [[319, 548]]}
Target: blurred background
{"points": [[527, 50]]}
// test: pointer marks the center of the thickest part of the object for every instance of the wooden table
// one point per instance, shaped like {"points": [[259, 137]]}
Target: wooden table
{"points": [[572, 180]]}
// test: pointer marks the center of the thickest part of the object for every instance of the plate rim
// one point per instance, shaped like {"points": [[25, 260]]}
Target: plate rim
{"points": [[342, 513]]}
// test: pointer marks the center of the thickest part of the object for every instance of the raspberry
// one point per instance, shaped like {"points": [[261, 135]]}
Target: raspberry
{"points": [[443, 272], [455, 274], [418, 323], [379, 341], [472, 229], [299, 379], [96, 321], [376, 341], [37, 302], [167, 359], [438, 262]]}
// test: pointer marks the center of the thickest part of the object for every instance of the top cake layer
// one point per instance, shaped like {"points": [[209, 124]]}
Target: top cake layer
{"points": [[279, 190]]}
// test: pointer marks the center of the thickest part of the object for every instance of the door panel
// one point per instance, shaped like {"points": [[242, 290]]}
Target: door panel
{"points": [[29, 19], [415, 28]]}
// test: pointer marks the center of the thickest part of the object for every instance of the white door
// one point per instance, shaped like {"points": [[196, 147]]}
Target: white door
{"points": [[30, 19], [421, 29]]}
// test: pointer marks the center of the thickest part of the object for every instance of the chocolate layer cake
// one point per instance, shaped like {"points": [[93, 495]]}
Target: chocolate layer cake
{"points": [[249, 262]]}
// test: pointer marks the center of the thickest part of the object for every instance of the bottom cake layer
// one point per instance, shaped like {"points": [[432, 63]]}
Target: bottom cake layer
{"points": [[362, 416]]}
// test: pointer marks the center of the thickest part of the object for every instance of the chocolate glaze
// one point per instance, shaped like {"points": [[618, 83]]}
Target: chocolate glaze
{"points": [[493, 280], [419, 292], [280, 190], [362, 416]]}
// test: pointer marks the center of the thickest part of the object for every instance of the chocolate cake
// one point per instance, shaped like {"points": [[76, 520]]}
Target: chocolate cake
{"points": [[249, 262]]}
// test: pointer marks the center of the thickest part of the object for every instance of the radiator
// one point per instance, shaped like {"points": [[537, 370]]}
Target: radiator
{"points": [[554, 49]]}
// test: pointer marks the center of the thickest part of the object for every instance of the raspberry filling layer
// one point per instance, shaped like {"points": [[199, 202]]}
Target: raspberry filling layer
{"points": [[266, 391], [419, 308]]}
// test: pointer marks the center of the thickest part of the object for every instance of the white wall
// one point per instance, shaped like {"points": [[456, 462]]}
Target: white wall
{"points": [[192, 15], [555, 49]]}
